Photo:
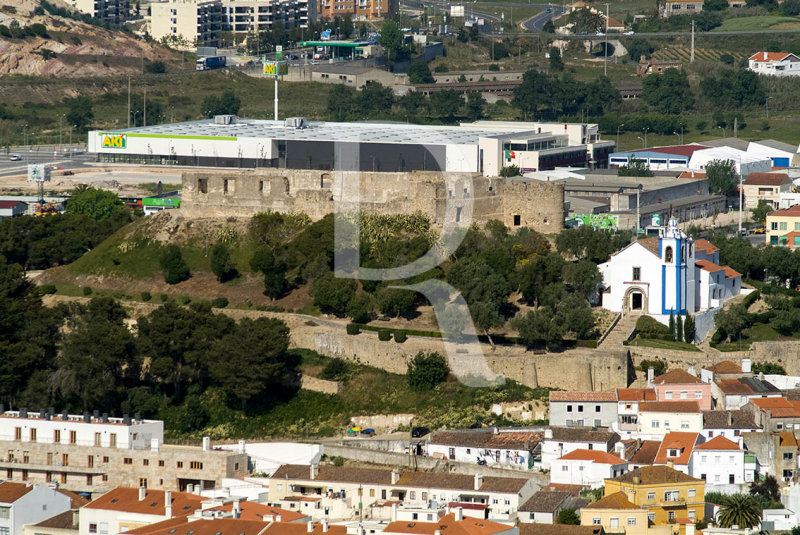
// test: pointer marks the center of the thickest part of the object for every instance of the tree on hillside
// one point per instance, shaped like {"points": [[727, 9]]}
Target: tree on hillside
{"points": [[668, 92], [274, 271], [549, 27], [760, 212], [556, 63], [569, 517], [221, 263], [768, 487], [332, 294], [96, 204], [715, 5], [420, 73], [446, 104], [390, 38], [226, 104], [342, 101], [79, 112], [359, 308], [426, 370], [640, 48], [475, 105], [539, 327], [731, 322], [173, 267], [722, 177]]}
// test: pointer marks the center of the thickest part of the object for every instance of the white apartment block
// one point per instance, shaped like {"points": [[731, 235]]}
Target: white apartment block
{"points": [[112, 11], [198, 21]]}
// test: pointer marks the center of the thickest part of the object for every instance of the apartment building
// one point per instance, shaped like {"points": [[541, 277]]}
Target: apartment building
{"points": [[783, 227], [93, 453], [110, 11], [245, 17], [593, 409], [358, 9], [22, 504], [199, 21]]}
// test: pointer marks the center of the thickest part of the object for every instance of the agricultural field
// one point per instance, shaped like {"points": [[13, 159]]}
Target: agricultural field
{"points": [[759, 23]]}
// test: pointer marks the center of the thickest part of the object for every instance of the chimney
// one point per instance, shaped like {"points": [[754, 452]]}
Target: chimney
{"points": [[437, 532], [548, 433], [206, 443], [691, 370], [242, 448], [650, 376], [324, 525], [395, 476], [142, 493], [313, 471], [690, 529], [730, 418], [394, 512], [670, 463], [478, 482], [309, 527], [237, 509], [65, 416], [747, 366], [279, 518], [168, 503], [154, 445], [76, 517], [459, 514], [765, 56], [619, 450], [760, 376]]}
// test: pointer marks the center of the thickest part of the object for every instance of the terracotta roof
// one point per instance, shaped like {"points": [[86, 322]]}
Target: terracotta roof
{"points": [[711, 267], [259, 511], [787, 438], [692, 174], [221, 526], [127, 499], [718, 443], [649, 475], [545, 501], [728, 420], [731, 273], [613, 501], [702, 244], [676, 440], [460, 482], [771, 403], [651, 244], [295, 528], [781, 412], [677, 377], [596, 456], [646, 454], [583, 434], [447, 524], [767, 179], [558, 529], [65, 520], [11, 492], [636, 394], [574, 490], [77, 501], [770, 56], [669, 406], [469, 439], [582, 396], [9, 204], [339, 474], [746, 386], [726, 366], [792, 211], [520, 440]]}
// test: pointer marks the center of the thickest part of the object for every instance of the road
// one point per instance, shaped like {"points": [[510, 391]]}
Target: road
{"points": [[42, 154]]}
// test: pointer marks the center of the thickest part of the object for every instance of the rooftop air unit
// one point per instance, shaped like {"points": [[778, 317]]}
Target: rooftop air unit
{"points": [[296, 122], [224, 119]]}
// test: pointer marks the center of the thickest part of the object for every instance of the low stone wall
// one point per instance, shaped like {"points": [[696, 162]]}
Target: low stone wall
{"points": [[381, 422], [315, 384], [785, 353]]}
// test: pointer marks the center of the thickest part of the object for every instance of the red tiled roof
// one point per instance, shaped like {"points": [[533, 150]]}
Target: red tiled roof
{"points": [[718, 443], [646, 454], [692, 174], [127, 499], [770, 56], [771, 403], [582, 396], [618, 500], [448, 524], [596, 456], [258, 511], [11, 492], [734, 386], [636, 394], [711, 267], [8, 204], [702, 244], [677, 377], [767, 179], [651, 244], [676, 440], [669, 406], [731, 273], [792, 211], [297, 528]]}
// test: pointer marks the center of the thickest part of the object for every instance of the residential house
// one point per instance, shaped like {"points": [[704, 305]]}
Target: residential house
{"points": [[681, 7], [680, 385], [721, 464], [767, 187], [123, 509], [774, 414], [22, 504], [717, 283], [778, 520], [593, 409], [453, 524], [559, 441], [628, 409], [185, 525], [668, 495], [559, 529], [645, 454], [705, 250], [776, 454], [657, 418], [783, 227], [586, 467], [543, 507], [729, 424], [494, 446], [616, 514], [774, 64], [733, 394], [676, 450], [725, 369], [65, 523]]}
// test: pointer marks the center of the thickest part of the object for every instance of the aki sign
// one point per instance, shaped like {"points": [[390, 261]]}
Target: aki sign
{"points": [[113, 141]]}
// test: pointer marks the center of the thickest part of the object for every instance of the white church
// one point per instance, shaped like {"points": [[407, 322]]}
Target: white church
{"points": [[668, 272]]}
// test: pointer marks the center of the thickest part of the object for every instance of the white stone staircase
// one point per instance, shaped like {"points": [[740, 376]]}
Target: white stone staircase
{"points": [[621, 331]]}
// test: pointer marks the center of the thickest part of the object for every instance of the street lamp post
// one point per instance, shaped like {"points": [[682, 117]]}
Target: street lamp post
{"points": [[618, 127], [642, 140], [645, 136]]}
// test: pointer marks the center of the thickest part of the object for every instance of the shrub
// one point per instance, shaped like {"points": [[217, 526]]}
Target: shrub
{"points": [[164, 298], [219, 302], [425, 371], [353, 329], [768, 368], [173, 266], [146, 296], [400, 336], [384, 335], [335, 370], [647, 327], [510, 171], [727, 59], [659, 366], [47, 289], [87, 290], [751, 298], [494, 67], [185, 300], [338, 461]]}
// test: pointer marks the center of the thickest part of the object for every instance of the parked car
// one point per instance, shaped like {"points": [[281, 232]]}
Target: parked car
{"points": [[369, 432], [759, 230], [15, 158], [629, 32]]}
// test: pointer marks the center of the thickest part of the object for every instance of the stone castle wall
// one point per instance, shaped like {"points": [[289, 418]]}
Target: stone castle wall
{"points": [[214, 193]]}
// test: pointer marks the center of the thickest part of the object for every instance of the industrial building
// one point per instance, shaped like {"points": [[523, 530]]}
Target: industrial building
{"points": [[483, 147]]}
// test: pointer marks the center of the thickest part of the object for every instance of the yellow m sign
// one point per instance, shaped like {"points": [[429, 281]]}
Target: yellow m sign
{"points": [[113, 141]]}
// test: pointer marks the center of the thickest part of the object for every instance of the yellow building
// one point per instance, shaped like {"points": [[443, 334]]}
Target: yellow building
{"points": [[671, 498], [616, 514], [783, 227]]}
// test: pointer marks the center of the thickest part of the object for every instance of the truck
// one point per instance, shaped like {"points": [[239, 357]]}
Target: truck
{"points": [[213, 62]]}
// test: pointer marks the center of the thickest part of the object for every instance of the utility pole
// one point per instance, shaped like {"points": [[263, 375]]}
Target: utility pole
{"points": [[129, 101], [605, 48], [691, 58], [144, 114], [741, 193]]}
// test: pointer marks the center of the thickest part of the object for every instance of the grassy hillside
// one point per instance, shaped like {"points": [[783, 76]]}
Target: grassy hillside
{"points": [[367, 391]]}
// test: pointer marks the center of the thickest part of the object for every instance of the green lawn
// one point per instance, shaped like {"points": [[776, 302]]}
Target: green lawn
{"points": [[760, 332], [662, 344], [758, 23]]}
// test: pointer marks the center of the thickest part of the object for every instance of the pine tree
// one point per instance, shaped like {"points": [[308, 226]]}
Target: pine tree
{"points": [[679, 328], [672, 322], [688, 329]]}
